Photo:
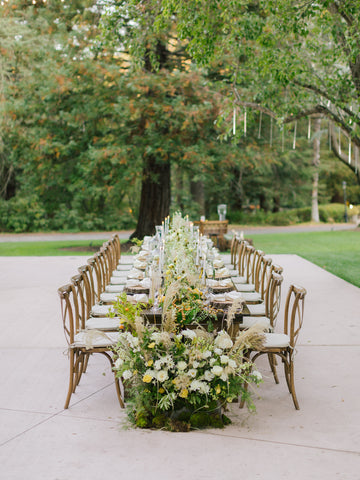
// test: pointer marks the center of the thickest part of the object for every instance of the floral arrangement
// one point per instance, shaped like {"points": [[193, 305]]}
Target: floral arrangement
{"points": [[182, 375], [184, 380]]}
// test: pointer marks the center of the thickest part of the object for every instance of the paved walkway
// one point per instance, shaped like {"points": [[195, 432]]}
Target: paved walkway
{"points": [[41, 441], [125, 234]]}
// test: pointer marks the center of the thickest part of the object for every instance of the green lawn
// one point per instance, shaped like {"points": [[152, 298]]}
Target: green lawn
{"points": [[53, 248], [337, 252]]}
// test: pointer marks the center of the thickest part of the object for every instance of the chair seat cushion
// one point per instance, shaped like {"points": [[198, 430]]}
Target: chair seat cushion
{"points": [[100, 310], [238, 279], [124, 267], [245, 287], [121, 274], [276, 340], [118, 280], [251, 296], [262, 321], [257, 310], [95, 339], [103, 323], [114, 288], [108, 297]]}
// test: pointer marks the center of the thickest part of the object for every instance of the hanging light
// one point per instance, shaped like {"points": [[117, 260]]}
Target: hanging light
{"points": [[294, 141]]}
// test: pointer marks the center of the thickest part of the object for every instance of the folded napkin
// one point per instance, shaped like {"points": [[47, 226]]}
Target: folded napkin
{"points": [[142, 255], [219, 283], [226, 297], [131, 283], [218, 263], [134, 273], [140, 264], [138, 298]]}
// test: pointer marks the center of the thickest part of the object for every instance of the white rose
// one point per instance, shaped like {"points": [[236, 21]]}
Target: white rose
{"points": [[192, 372], [212, 361], [224, 359], [218, 351], [188, 333], [223, 340], [118, 363], [162, 375], [232, 363], [195, 364], [217, 370], [157, 365], [223, 376], [206, 354], [181, 365], [127, 374], [208, 376]]}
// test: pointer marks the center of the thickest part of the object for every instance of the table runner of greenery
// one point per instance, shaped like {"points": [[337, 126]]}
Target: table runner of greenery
{"points": [[181, 375]]}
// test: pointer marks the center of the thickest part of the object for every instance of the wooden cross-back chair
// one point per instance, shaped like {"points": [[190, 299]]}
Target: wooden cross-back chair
{"points": [[82, 344], [265, 314], [283, 344]]}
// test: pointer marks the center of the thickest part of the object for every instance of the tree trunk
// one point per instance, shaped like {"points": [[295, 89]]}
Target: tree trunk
{"points": [[155, 196], [198, 195], [316, 163]]}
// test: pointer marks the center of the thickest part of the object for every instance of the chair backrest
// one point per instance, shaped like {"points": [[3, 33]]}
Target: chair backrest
{"points": [[273, 297], [69, 312], [89, 285], [262, 274], [294, 312], [254, 266], [115, 240], [234, 249], [83, 298], [241, 257]]}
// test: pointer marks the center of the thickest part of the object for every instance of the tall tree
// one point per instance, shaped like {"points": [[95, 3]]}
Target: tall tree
{"points": [[307, 53]]}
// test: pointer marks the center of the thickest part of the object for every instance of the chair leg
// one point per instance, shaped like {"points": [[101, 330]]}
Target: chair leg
{"points": [[291, 383], [118, 391], [272, 362], [71, 379]]}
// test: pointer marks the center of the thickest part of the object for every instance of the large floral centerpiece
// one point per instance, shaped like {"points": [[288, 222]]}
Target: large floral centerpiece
{"points": [[182, 374]]}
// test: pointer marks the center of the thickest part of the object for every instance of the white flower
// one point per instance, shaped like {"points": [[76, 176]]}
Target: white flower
{"points": [[224, 359], [197, 385], [118, 363], [151, 373], [127, 374], [188, 333], [223, 340], [181, 365], [232, 363], [208, 376], [206, 354], [162, 375], [192, 372], [156, 337], [195, 364], [218, 351], [223, 376], [212, 361], [135, 341], [157, 364], [257, 375], [217, 370]]}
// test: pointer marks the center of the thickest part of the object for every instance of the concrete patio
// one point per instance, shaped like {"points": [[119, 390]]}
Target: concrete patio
{"points": [[39, 440]]}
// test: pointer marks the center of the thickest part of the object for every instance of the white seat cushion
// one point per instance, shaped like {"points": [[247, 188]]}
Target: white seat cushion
{"points": [[238, 279], [245, 287], [114, 288], [100, 310], [118, 280], [248, 322], [124, 267], [103, 323], [276, 340], [107, 297], [95, 339], [126, 260], [257, 310], [121, 274], [251, 296]]}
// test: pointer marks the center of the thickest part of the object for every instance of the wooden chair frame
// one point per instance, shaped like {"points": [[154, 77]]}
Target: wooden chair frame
{"points": [[78, 356]]}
